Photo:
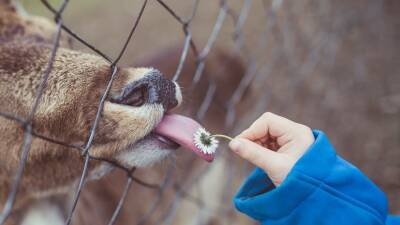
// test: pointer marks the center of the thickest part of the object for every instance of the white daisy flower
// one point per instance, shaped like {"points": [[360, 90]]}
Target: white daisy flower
{"points": [[205, 142]]}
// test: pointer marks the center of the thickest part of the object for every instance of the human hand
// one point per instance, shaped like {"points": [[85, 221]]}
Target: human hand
{"points": [[274, 144]]}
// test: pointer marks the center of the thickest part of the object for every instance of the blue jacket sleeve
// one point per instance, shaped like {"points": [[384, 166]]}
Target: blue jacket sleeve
{"points": [[321, 189]]}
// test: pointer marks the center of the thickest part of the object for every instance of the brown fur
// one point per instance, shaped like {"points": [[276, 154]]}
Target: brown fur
{"points": [[66, 111]]}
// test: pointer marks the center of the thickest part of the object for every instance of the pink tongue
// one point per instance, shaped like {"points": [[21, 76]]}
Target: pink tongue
{"points": [[181, 129]]}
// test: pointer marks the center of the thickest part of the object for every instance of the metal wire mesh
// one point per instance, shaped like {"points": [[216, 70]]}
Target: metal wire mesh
{"points": [[201, 55], [256, 70]]}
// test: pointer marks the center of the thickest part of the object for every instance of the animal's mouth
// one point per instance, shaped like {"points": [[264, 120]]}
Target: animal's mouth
{"points": [[164, 142], [178, 130], [173, 130]]}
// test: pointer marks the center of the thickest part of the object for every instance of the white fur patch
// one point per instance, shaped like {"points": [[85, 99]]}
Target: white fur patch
{"points": [[100, 171], [144, 153], [43, 214]]}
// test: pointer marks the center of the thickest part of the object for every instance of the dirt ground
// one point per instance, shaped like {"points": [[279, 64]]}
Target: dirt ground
{"points": [[333, 65]]}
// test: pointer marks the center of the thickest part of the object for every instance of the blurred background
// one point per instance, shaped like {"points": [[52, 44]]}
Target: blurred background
{"points": [[331, 64]]}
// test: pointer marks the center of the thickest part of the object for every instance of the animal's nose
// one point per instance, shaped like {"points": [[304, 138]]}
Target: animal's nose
{"points": [[153, 88]]}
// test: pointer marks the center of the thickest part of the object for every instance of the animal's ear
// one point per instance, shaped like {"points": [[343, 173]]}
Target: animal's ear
{"points": [[7, 5], [5, 2], [16, 24]]}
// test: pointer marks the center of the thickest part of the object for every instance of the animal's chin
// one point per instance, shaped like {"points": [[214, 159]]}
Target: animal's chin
{"points": [[147, 151]]}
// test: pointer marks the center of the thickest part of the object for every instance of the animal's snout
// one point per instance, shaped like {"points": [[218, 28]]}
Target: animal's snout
{"points": [[153, 88]]}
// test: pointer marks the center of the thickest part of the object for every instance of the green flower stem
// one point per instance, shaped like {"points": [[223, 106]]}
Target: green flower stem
{"points": [[222, 136]]}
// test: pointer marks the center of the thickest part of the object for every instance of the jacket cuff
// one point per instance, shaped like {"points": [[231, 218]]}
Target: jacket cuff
{"points": [[258, 197]]}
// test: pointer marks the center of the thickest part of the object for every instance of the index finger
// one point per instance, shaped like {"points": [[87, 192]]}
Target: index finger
{"points": [[268, 124]]}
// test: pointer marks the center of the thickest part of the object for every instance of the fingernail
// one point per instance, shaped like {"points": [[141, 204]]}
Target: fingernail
{"points": [[235, 145]]}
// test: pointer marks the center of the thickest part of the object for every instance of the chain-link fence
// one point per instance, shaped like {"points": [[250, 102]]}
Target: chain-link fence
{"points": [[306, 59]]}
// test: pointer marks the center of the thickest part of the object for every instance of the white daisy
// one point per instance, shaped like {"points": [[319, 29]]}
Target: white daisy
{"points": [[205, 142]]}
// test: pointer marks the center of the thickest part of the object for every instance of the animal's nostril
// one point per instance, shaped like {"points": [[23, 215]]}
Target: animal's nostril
{"points": [[151, 89], [134, 96]]}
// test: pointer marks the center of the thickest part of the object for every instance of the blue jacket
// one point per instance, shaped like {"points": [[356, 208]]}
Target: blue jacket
{"points": [[321, 189]]}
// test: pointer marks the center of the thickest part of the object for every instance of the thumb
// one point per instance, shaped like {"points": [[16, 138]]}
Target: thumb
{"points": [[254, 153]]}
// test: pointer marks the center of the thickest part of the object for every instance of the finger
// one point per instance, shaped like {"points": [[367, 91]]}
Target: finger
{"points": [[254, 153], [268, 124]]}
